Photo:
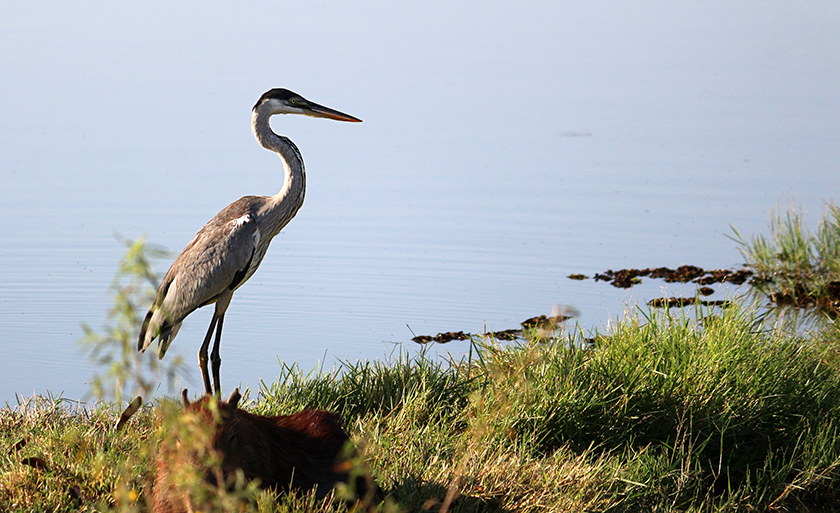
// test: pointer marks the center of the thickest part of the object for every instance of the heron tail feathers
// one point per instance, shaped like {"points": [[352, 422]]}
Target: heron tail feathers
{"points": [[155, 325], [143, 342], [167, 334]]}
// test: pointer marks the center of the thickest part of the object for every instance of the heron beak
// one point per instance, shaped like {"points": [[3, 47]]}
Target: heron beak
{"points": [[319, 111]]}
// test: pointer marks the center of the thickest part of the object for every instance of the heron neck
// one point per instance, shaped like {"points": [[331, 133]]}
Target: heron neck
{"points": [[281, 207]]}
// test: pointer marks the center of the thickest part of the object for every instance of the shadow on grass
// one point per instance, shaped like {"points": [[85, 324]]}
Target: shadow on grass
{"points": [[414, 495]]}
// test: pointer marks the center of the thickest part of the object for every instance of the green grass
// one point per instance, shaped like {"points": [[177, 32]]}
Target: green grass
{"points": [[795, 266], [85, 461], [663, 414]]}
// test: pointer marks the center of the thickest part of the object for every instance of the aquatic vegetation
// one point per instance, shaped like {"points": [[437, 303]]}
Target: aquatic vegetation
{"points": [[795, 266]]}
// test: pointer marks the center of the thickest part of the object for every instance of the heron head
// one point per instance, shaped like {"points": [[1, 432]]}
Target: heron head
{"points": [[283, 101]]}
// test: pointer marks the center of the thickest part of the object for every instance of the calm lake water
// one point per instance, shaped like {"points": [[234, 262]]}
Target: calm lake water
{"points": [[502, 149]]}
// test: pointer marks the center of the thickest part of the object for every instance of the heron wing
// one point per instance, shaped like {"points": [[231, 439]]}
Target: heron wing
{"points": [[216, 259]]}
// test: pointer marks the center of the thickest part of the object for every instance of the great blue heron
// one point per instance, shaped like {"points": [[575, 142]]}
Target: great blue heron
{"points": [[228, 250]]}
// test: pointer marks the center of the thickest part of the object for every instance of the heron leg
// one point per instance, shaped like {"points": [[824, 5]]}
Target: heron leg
{"points": [[202, 355], [215, 358]]}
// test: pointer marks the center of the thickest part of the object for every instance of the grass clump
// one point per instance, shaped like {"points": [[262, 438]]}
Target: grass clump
{"points": [[355, 389], [58, 456], [665, 414], [795, 266], [688, 415]]}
